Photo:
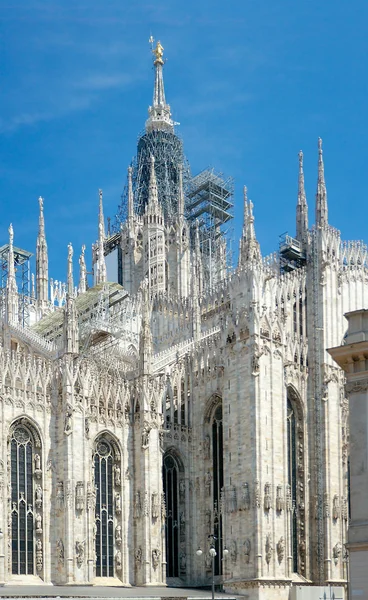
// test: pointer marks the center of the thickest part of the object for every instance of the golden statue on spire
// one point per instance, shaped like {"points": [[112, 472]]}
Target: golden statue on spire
{"points": [[158, 52]]}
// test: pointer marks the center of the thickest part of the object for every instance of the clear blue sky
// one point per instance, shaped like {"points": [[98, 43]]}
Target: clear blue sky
{"points": [[251, 82]]}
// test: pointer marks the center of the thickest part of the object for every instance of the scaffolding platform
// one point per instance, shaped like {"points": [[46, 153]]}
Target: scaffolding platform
{"points": [[22, 270], [292, 255]]}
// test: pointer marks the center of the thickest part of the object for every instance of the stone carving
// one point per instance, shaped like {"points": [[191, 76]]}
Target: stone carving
{"points": [[60, 551], [183, 562], [138, 556], [137, 508], [207, 447], [279, 499], [38, 523], [86, 427], [233, 551], [326, 505], [146, 504], [344, 509], [208, 520], [118, 564], [39, 560], [207, 483], [267, 503], [79, 496], [79, 552], [155, 505], [336, 552], [117, 476], [156, 555], [245, 497], [232, 499], [145, 436], [37, 466], [68, 493], [247, 548], [268, 548], [257, 494], [68, 421], [182, 490], [118, 503], [127, 474], [38, 494], [280, 549], [335, 507], [182, 523], [118, 535], [91, 496]]}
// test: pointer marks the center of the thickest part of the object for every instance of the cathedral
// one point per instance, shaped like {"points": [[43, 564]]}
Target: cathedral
{"points": [[178, 403]]}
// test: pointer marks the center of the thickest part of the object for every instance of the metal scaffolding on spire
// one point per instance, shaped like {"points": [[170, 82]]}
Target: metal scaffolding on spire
{"points": [[22, 270]]}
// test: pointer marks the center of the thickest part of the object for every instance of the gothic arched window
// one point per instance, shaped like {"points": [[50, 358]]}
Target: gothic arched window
{"points": [[218, 484], [171, 484], [26, 500], [108, 503]]}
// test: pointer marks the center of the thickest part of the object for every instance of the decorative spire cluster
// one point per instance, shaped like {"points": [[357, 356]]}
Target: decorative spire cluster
{"points": [[42, 263], [159, 113], [249, 246], [82, 272], [153, 207], [302, 206], [321, 196]]}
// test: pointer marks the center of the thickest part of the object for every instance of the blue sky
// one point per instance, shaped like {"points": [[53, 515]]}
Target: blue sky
{"points": [[251, 82]]}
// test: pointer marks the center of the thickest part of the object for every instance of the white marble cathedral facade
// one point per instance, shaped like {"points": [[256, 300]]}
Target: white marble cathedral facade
{"points": [[140, 417]]}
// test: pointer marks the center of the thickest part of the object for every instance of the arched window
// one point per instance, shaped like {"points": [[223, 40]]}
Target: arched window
{"points": [[174, 523], [108, 503], [218, 484], [291, 454], [26, 499]]}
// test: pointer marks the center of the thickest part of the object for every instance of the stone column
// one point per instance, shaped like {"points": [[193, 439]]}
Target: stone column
{"points": [[353, 358]]}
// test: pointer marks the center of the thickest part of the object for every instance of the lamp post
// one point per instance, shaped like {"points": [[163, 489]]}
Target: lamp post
{"points": [[212, 552]]}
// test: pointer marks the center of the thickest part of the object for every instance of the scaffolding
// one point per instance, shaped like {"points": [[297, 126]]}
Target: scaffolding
{"points": [[292, 255], [167, 149], [22, 268], [210, 204]]}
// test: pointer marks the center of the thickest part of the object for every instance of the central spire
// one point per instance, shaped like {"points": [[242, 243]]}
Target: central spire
{"points": [[159, 113]]}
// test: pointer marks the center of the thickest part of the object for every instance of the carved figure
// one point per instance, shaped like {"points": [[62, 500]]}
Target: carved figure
{"points": [[279, 499], [207, 483], [182, 522], [60, 551], [267, 503], [155, 506], [336, 552], [118, 503], [118, 535], [182, 490], [233, 551], [183, 562], [280, 549], [208, 519], [247, 548], [118, 565], [288, 498], [38, 494], [39, 558], [68, 423], [138, 556], [79, 496], [117, 476], [156, 555], [268, 548], [79, 551], [335, 507], [145, 436], [38, 523], [37, 465], [207, 447]]}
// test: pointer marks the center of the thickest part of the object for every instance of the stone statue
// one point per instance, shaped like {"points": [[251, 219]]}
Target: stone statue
{"points": [[117, 476], [137, 508], [145, 437], [207, 447], [233, 551], [138, 556], [118, 564], [155, 506], [183, 562], [60, 551], [118, 535], [182, 490], [38, 493], [232, 499], [207, 483], [68, 423], [118, 503], [280, 549], [39, 558], [336, 552], [156, 555], [79, 551], [38, 522], [279, 499], [268, 548], [182, 522], [267, 498], [245, 497], [335, 507], [37, 465]]}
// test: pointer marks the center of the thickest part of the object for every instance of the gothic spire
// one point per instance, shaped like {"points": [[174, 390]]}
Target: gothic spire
{"points": [[82, 272], [145, 335], [101, 275], [249, 246], [11, 284], [153, 206], [71, 328], [159, 113], [302, 206], [42, 261], [321, 196]]}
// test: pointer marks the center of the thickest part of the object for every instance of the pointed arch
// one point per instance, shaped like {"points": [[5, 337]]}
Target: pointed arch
{"points": [[26, 493], [174, 487]]}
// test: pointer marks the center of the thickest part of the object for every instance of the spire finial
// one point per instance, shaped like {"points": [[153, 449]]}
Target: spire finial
{"points": [[41, 220], [249, 246], [101, 265], [152, 204], [70, 270], [321, 196], [100, 212], [42, 262], [159, 113], [82, 272], [302, 207], [11, 284]]}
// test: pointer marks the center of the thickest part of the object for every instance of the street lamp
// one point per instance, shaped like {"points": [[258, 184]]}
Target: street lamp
{"points": [[212, 552]]}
